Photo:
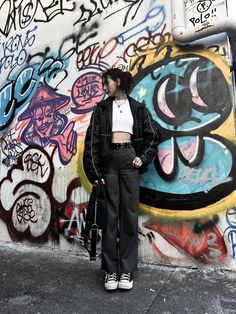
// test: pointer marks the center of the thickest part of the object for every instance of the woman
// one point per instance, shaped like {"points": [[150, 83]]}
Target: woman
{"points": [[120, 141]]}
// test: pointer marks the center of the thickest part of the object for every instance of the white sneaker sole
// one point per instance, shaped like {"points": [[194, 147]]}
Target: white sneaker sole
{"points": [[111, 286], [125, 285]]}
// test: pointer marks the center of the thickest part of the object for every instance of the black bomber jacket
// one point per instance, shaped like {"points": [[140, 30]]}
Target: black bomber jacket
{"points": [[98, 151]]}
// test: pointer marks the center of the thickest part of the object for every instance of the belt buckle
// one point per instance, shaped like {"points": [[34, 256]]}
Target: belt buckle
{"points": [[122, 145]]}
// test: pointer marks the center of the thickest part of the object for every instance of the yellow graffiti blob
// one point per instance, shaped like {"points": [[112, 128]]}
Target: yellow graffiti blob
{"points": [[80, 168]]}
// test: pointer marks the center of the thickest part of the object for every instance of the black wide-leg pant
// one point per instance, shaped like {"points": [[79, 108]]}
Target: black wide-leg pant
{"points": [[120, 238]]}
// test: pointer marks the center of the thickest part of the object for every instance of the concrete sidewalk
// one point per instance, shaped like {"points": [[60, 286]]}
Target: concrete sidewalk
{"points": [[37, 280]]}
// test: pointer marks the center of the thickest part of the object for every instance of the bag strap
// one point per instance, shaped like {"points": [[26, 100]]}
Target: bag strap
{"points": [[99, 188], [94, 234], [90, 243]]}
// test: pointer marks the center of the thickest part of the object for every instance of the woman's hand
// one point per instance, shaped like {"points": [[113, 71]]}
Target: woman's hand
{"points": [[96, 182], [137, 162]]}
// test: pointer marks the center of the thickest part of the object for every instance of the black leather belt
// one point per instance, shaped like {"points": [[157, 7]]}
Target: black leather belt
{"points": [[121, 145]]}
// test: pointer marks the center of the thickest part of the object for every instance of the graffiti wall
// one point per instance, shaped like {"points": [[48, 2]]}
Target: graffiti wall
{"points": [[52, 55]]}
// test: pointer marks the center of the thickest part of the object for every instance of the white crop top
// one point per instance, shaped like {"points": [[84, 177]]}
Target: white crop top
{"points": [[122, 118]]}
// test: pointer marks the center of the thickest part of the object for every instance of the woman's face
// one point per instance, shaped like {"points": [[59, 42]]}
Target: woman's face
{"points": [[111, 87]]}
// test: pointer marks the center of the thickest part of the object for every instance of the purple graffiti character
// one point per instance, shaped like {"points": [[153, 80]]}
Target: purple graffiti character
{"points": [[47, 125]]}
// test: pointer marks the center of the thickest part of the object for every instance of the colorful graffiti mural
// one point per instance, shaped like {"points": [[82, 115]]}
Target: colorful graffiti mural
{"points": [[186, 167], [50, 84]]}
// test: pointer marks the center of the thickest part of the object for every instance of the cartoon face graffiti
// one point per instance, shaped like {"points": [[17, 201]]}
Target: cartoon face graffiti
{"points": [[47, 125], [44, 118], [189, 98]]}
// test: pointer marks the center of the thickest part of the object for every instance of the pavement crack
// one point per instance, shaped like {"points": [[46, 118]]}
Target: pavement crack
{"points": [[159, 291]]}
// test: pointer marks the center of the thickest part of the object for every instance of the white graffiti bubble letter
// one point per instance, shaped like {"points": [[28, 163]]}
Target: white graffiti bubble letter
{"points": [[27, 203]]}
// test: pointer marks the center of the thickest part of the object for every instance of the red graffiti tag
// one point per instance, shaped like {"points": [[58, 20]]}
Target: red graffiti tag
{"points": [[206, 247]]}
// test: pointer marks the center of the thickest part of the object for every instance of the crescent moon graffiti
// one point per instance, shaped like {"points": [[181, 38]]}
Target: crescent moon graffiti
{"points": [[161, 100], [193, 87]]}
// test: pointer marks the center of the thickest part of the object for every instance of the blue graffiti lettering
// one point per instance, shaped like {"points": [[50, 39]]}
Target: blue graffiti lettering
{"points": [[232, 240], [14, 95], [157, 14], [231, 229]]}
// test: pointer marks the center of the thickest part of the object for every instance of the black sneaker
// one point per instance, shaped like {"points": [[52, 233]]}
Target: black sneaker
{"points": [[111, 282], [126, 281]]}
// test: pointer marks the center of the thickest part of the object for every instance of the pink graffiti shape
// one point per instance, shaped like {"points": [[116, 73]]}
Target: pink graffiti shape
{"points": [[189, 150], [66, 142], [161, 100], [193, 87], [166, 158], [87, 90]]}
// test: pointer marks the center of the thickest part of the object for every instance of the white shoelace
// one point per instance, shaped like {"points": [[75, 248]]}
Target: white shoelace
{"points": [[125, 276], [111, 277]]}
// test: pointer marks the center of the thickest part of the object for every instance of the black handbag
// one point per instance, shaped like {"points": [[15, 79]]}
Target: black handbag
{"points": [[95, 219]]}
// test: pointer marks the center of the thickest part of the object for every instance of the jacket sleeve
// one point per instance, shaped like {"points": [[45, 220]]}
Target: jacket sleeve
{"points": [[91, 149], [150, 138]]}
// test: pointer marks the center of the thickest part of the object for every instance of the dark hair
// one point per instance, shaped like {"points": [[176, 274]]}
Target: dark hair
{"points": [[115, 73]]}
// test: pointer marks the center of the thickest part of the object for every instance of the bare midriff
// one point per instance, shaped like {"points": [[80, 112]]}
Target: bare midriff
{"points": [[121, 137]]}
